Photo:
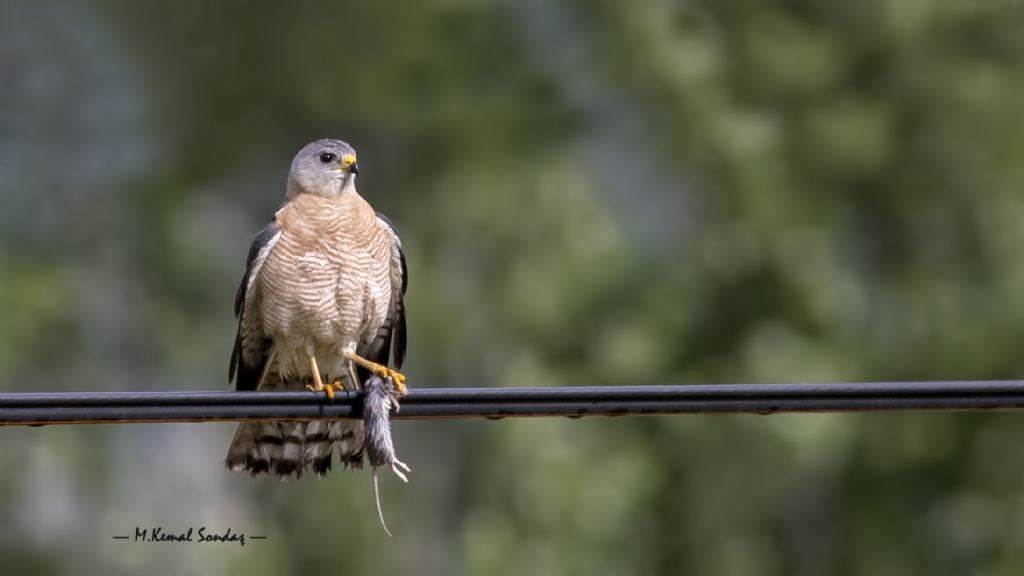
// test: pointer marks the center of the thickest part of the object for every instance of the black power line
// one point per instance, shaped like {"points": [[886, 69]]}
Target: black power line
{"points": [[572, 401]]}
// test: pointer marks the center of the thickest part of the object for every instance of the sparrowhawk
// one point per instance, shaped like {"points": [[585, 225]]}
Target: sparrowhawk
{"points": [[321, 302]]}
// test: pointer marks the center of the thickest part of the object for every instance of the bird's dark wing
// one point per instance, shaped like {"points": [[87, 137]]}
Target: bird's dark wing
{"points": [[252, 346], [390, 340]]}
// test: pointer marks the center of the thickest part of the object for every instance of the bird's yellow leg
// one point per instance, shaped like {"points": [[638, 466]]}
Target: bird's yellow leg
{"points": [[380, 370], [318, 383]]}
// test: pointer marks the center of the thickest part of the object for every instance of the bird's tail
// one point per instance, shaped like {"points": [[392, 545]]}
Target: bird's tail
{"points": [[287, 448]]}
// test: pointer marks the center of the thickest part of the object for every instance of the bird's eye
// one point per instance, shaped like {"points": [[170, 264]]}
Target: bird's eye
{"points": [[327, 157]]}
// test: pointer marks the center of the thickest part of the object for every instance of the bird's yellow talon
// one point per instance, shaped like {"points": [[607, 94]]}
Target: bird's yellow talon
{"points": [[329, 388], [322, 388], [389, 373], [382, 371], [397, 378]]}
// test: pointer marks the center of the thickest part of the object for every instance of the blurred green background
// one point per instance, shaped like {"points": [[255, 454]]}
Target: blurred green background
{"points": [[589, 192]]}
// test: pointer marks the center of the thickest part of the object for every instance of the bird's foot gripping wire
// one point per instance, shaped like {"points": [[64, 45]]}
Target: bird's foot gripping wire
{"points": [[380, 370], [329, 388], [318, 384]]}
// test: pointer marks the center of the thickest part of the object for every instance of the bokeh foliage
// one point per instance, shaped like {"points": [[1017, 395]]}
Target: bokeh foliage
{"points": [[591, 192]]}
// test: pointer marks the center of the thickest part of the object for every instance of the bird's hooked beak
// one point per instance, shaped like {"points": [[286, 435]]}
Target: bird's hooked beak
{"points": [[349, 165]]}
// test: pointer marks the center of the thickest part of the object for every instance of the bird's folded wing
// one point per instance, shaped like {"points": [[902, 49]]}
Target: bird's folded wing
{"points": [[252, 346]]}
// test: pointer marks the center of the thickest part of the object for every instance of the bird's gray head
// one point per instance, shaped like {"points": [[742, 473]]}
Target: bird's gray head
{"points": [[325, 168]]}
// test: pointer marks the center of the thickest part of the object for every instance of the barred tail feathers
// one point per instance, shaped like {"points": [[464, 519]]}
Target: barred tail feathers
{"points": [[284, 448]]}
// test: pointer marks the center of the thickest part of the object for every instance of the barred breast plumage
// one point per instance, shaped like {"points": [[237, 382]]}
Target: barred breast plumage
{"points": [[326, 285]]}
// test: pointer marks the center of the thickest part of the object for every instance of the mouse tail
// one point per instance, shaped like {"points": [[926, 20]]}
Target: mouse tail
{"points": [[376, 496]]}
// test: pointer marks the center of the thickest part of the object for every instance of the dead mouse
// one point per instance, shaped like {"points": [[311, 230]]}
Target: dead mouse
{"points": [[381, 395]]}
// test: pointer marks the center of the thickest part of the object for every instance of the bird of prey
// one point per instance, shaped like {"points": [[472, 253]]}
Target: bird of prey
{"points": [[320, 307]]}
